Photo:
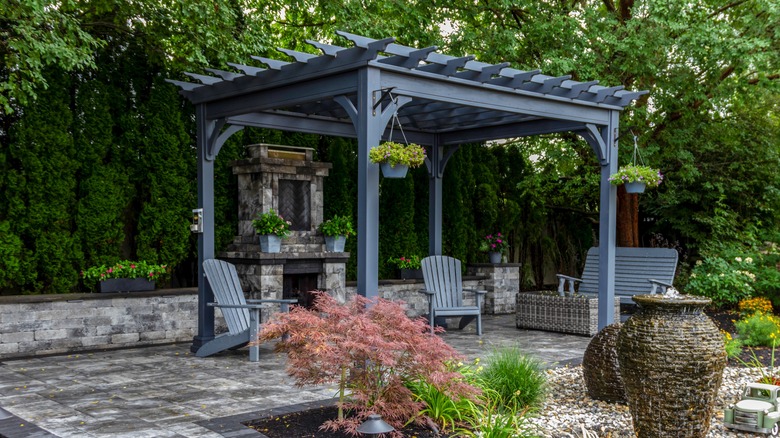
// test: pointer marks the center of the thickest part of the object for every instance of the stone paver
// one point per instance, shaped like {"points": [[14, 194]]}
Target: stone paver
{"points": [[165, 391]]}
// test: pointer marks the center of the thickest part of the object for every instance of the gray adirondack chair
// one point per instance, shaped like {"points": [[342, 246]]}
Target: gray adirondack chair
{"points": [[444, 288], [242, 316], [637, 271]]}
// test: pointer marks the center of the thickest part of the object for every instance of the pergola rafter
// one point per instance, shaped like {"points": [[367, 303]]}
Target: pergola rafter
{"points": [[442, 101]]}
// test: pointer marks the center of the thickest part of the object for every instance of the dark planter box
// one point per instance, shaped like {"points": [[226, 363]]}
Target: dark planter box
{"points": [[411, 274], [125, 285]]}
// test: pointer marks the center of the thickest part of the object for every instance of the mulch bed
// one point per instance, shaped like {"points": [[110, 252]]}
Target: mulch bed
{"points": [[306, 424]]}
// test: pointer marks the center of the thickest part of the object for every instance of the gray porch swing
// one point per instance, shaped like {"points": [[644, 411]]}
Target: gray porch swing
{"points": [[443, 101]]}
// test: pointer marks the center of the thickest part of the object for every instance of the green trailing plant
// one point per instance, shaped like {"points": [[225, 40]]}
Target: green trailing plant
{"points": [[411, 262], [412, 155], [337, 226], [636, 173], [516, 379], [271, 223], [371, 349], [124, 269]]}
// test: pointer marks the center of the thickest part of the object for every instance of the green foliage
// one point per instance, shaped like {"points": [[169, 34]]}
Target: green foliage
{"points": [[632, 173], [489, 419], [411, 262], [494, 243], [445, 412], [124, 269], [337, 226], [733, 346], [397, 236], [516, 379], [36, 37], [411, 155], [730, 272], [759, 329], [271, 223]]}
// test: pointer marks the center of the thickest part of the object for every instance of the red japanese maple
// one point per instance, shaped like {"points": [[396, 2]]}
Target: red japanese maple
{"points": [[369, 348]]}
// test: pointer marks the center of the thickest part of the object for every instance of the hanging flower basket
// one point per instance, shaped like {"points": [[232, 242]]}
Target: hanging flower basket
{"points": [[395, 158], [636, 178]]}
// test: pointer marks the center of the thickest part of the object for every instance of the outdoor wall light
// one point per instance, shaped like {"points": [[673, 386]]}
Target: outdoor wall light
{"points": [[374, 426]]}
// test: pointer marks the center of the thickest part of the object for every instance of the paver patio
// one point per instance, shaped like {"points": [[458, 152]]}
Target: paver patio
{"points": [[165, 391]]}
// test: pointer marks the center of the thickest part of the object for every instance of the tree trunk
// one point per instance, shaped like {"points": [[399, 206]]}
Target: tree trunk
{"points": [[627, 218]]}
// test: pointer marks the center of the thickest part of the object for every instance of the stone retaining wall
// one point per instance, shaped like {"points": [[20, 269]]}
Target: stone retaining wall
{"points": [[48, 324]]}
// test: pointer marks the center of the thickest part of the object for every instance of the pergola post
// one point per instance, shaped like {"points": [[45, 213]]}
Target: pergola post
{"points": [[435, 185], [607, 223], [205, 131], [436, 162]]}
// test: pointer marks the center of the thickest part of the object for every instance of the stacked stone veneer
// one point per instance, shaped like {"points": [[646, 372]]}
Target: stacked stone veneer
{"points": [[303, 252], [78, 322]]}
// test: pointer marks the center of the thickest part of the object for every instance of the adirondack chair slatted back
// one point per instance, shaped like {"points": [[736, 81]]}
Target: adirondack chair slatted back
{"points": [[442, 274], [633, 267], [223, 279]]}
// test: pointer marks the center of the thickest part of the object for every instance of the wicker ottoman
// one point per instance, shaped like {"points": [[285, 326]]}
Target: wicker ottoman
{"points": [[554, 313]]}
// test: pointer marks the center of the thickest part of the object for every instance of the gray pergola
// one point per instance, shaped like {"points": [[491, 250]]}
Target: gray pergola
{"points": [[441, 101]]}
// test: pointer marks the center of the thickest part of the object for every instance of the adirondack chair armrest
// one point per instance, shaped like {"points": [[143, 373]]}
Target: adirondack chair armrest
{"points": [[430, 293], [476, 291], [565, 279], [238, 306], [658, 284], [284, 304]]}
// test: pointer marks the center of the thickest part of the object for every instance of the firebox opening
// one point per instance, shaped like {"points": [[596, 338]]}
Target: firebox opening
{"points": [[300, 287]]}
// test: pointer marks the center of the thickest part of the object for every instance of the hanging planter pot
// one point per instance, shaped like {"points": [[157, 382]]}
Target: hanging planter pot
{"points": [[635, 187], [636, 177], [397, 171]]}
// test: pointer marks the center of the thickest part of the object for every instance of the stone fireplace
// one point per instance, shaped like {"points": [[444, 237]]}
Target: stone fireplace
{"points": [[288, 180]]}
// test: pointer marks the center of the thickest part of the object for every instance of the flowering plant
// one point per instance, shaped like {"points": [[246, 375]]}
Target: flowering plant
{"points": [[633, 173], [124, 269], [412, 155], [337, 226], [412, 262], [271, 223], [494, 243]]}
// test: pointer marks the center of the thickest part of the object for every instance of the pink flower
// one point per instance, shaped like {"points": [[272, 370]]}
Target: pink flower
{"points": [[132, 266]]}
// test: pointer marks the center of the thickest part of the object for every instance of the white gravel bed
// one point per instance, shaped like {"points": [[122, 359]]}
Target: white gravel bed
{"points": [[568, 407]]}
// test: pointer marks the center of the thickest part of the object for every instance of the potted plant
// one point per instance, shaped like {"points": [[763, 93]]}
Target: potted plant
{"points": [[272, 228], [636, 177], [494, 245], [124, 276], [396, 158], [409, 267], [336, 231]]}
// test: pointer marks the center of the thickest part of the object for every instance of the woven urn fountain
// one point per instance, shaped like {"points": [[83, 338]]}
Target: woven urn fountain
{"points": [[671, 359]]}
